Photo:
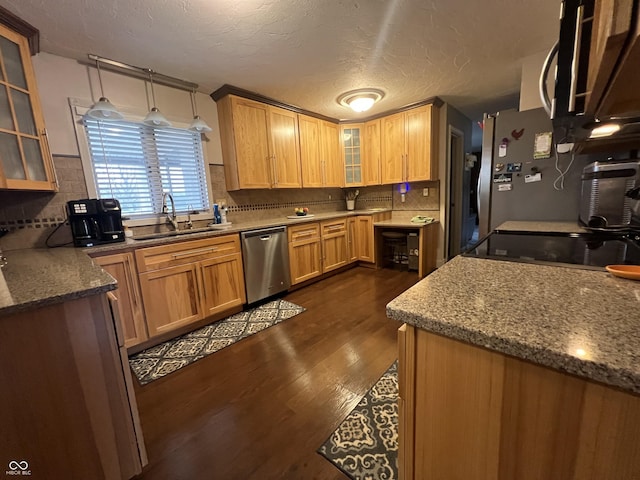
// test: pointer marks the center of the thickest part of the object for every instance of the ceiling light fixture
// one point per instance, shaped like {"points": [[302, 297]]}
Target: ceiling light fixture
{"points": [[360, 100], [198, 125], [103, 109], [154, 118]]}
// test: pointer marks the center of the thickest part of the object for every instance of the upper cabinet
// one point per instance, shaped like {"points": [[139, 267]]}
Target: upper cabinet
{"points": [[409, 145], [25, 160], [267, 144], [612, 81], [259, 145], [320, 153], [371, 151]]}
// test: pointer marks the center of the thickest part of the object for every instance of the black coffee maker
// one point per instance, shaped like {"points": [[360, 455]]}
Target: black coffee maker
{"points": [[95, 221]]}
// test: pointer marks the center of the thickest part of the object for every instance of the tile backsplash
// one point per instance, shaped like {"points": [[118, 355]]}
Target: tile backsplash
{"points": [[32, 216]]}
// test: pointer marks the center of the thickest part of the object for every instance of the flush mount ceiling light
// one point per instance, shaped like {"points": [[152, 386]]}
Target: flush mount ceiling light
{"points": [[103, 109], [154, 118], [360, 100], [197, 125]]}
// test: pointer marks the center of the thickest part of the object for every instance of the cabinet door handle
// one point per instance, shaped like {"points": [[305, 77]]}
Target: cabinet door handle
{"points": [[130, 279], [190, 253], [575, 61], [306, 233]]}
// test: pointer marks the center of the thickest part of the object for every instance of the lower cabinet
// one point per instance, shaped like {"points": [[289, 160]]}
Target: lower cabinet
{"points": [[467, 412], [305, 258], [334, 244], [121, 266], [184, 282], [364, 238]]}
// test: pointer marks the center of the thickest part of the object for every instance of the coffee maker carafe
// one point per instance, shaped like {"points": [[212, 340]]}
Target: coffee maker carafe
{"points": [[95, 221]]}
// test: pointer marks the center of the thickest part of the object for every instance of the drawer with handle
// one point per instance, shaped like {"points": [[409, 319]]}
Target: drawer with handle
{"points": [[164, 256], [333, 227], [304, 232]]}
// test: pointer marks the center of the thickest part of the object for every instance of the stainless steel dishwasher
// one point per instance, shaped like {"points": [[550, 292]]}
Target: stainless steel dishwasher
{"points": [[265, 255]]}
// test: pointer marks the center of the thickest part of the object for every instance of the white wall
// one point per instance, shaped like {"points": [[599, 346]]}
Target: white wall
{"points": [[529, 81], [61, 78]]}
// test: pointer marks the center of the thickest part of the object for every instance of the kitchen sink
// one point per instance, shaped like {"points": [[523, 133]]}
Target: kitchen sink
{"points": [[179, 233]]}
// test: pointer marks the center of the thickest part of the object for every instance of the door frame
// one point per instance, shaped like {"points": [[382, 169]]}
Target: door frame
{"points": [[454, 187]]}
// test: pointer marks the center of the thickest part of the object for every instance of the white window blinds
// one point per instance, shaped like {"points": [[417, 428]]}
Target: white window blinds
{"points": [[135, 163]]}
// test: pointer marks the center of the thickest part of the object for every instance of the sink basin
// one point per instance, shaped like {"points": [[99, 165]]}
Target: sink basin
{"points": [[177, 233]]}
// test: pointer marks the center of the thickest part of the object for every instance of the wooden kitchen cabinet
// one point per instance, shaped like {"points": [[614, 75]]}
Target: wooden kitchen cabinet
{"points": [[185, 282], [305, 252], [468, 412], [121, 266], [365, 238], [334, 244], [409, 145], [612, 80], [320, 158], [223, 283], [371, 153], [351, 141], [330, 151], [259, 145], [25, 163]]}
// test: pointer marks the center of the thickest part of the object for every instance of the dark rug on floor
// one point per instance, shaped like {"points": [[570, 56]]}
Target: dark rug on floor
{"points": [[365, 444], [158, 361]]}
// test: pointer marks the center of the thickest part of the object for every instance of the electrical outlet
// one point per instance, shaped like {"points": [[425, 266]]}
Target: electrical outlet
{"points": [[329, 196], [425, 192]]}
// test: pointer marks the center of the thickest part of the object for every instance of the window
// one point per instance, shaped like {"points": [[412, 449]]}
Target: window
{"points": [[135, 164]]}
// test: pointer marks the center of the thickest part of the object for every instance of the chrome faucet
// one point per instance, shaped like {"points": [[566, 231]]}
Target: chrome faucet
{"points": [[171, 217]]}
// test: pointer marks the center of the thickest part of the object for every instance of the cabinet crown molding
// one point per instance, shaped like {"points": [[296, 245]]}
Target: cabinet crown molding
{"points": [[227, 89]]}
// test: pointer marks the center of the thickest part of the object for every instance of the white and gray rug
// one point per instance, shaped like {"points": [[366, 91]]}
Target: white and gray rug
{"points": [[174, 354], [365, 444]]}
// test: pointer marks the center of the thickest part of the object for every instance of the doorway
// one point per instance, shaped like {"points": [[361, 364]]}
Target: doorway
{"points": [[459, 207]]}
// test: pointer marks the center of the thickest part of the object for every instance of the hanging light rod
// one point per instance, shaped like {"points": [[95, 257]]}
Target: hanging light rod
{"points": [[138, 72]]}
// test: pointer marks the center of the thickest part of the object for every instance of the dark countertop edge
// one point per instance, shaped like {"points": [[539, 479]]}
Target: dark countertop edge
{"points": [[607, 375], [131, 244], [55, 299]]}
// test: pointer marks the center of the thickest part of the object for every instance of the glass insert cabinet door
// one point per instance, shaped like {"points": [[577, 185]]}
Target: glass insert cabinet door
{"points": [[25, 161], [351, 140]]}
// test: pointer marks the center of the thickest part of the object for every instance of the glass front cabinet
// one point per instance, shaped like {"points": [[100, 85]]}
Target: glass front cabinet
{"points": [[352, 153], [25, 160]]}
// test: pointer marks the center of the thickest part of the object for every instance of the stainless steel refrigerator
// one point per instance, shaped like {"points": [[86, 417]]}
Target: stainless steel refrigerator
{"points": [[513, 183]]}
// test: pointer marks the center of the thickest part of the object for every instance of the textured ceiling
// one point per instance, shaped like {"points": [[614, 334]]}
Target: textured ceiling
{"points": [[308, 52]]}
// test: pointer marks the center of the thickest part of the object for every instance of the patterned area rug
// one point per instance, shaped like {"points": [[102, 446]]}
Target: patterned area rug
{"points": [[365, 445], [158, 361]]}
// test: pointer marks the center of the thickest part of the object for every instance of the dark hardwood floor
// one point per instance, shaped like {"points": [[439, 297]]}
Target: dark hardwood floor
{"points": [[260, 408]]}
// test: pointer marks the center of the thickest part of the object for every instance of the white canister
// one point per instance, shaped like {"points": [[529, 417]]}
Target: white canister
{"points": [[351, 204]]}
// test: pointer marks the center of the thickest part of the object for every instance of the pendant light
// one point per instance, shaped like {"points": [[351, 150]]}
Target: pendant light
{"points": [[103, 109], [154, 118], [197, 125]]}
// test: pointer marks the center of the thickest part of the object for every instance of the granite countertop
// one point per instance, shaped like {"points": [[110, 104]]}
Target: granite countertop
{"points": [[401, 223], [131, 243], [25, 282], [583, 322]]}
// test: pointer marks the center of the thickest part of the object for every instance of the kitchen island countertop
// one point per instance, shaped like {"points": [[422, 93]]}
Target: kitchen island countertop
{"points": [[582, 322], [26, 280]]}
